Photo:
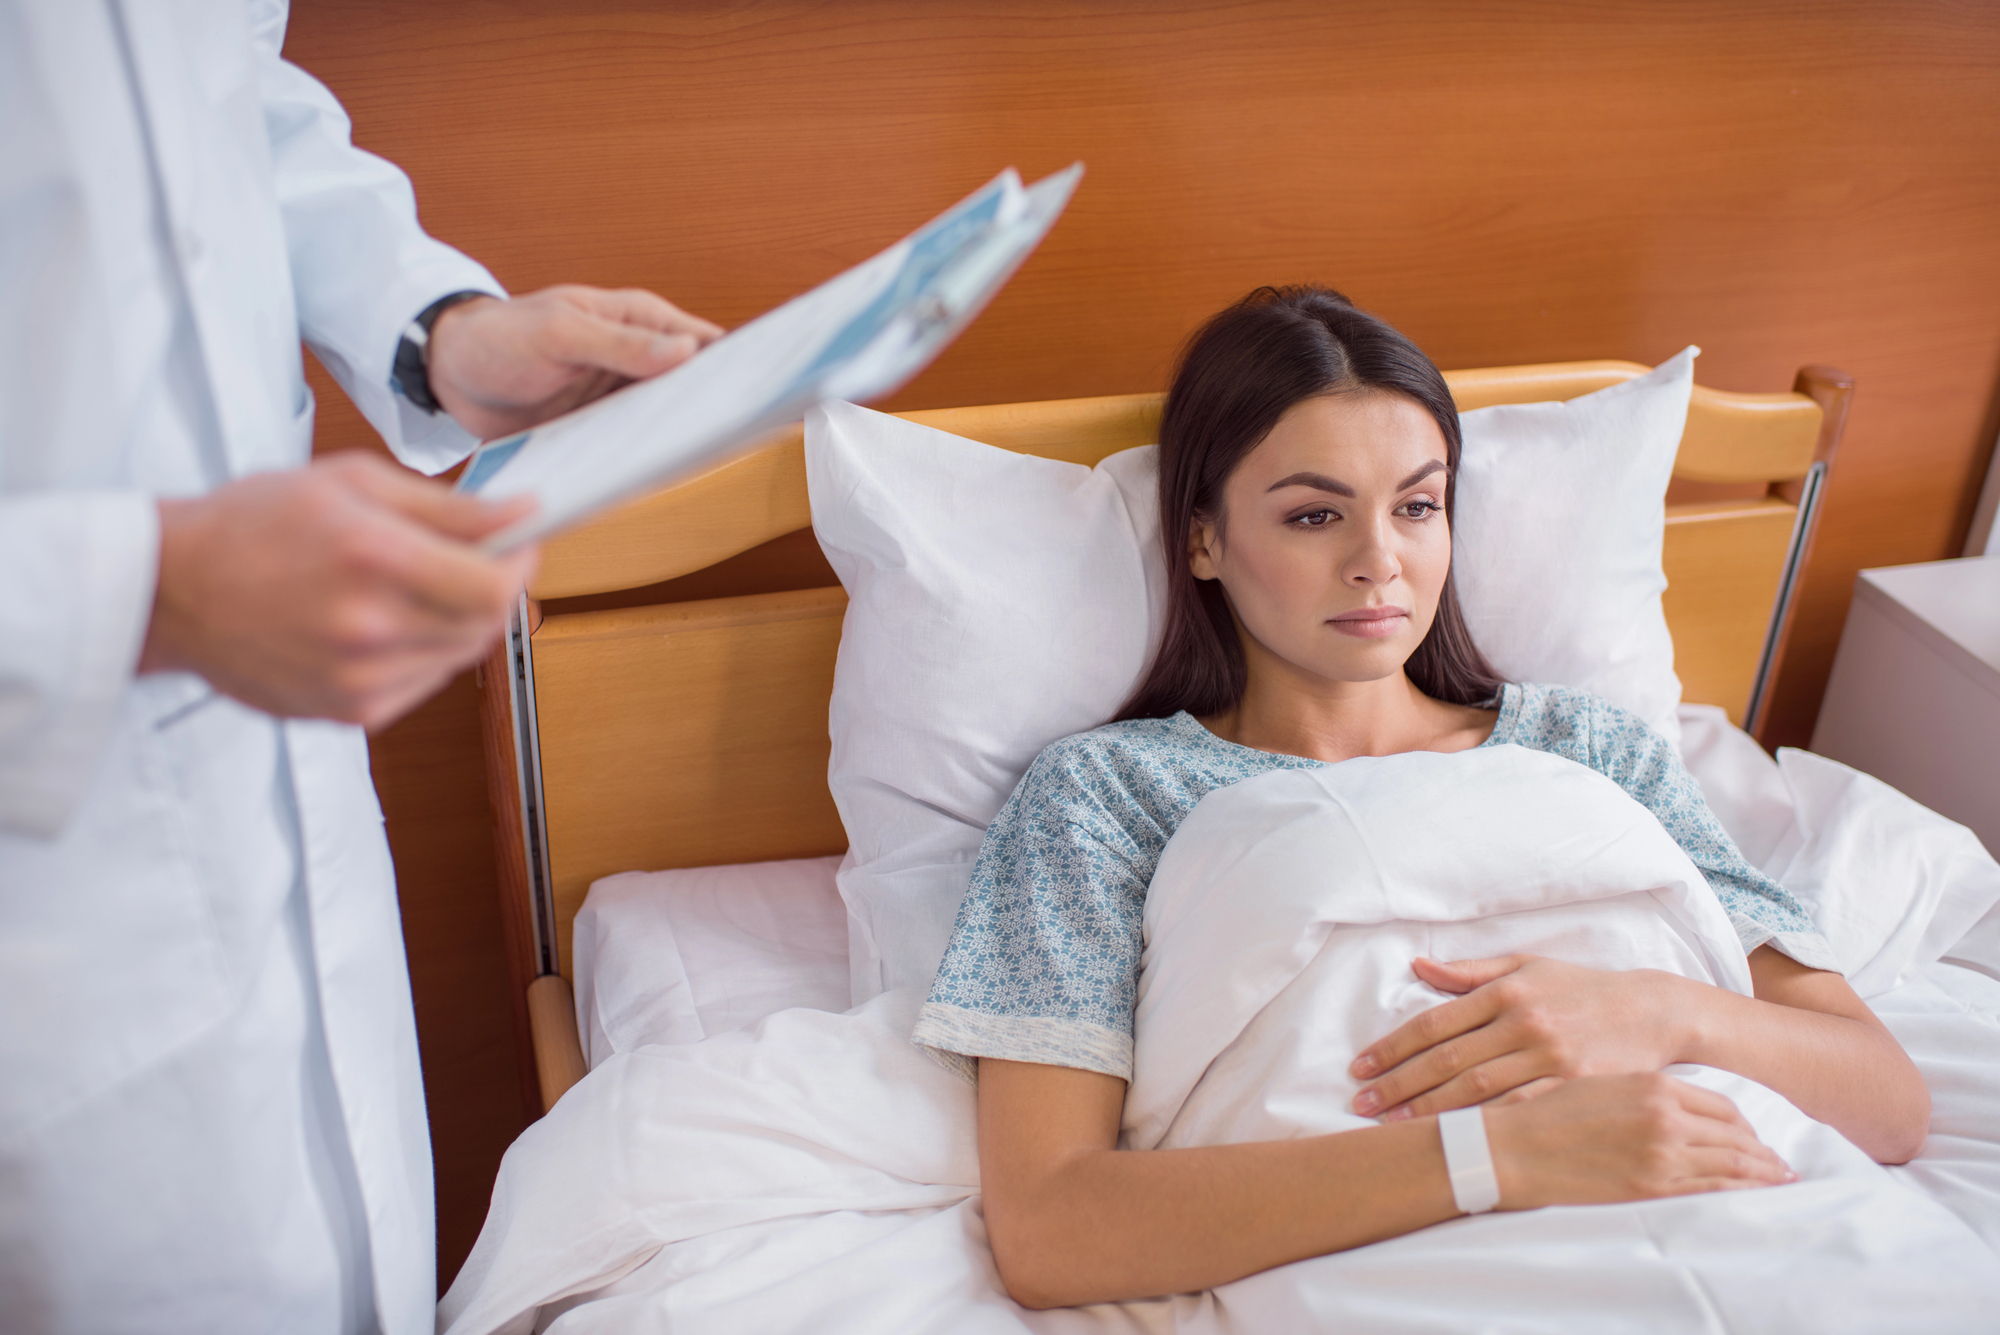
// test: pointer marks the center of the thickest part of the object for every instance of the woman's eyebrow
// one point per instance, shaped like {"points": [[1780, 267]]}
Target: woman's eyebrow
{"points": [[1434, 466], [1319, 482]]}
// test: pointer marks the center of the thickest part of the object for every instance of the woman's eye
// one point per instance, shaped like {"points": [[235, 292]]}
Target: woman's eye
{"points": [[1420, 509], [1315, 519]]}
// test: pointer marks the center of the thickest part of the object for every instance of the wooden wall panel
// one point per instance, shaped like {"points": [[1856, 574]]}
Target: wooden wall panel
{"points": [[1509, 182]]}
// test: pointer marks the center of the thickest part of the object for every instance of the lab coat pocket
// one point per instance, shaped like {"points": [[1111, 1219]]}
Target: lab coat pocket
{"points": [[110, 960]]}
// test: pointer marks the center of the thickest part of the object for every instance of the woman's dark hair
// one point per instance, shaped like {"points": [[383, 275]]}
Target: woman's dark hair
{"points": [[1241, 372]]}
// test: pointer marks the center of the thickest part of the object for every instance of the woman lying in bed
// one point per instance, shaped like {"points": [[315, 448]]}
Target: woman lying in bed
{"points": [[1306, 462]]}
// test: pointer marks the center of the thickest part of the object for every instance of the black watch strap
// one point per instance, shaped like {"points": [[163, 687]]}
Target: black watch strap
{"points": [[411, 374]]}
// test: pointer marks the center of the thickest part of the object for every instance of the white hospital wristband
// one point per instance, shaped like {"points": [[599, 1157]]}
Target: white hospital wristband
{"points": [[1469, 1160]]}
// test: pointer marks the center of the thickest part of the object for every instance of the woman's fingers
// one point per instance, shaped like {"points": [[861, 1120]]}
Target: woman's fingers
{"points": [[1702, 1163], [1423, 1032], [1478, 1083], [1461, 976], [1709, 1104], [1712, 1134], [1534, 1089]]}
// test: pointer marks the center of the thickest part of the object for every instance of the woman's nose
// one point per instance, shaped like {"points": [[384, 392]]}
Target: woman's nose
{"points": [[1370, 561]]}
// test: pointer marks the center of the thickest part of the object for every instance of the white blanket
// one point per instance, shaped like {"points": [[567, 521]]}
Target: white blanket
{"points": [[818, 1173], [1280, 929]]}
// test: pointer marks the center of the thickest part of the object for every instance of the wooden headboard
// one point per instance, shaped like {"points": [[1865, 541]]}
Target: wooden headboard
{"points": [[692, 731]]}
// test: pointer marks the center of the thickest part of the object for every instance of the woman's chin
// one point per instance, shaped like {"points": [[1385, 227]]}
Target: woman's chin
{"points": [[1359, 663]]}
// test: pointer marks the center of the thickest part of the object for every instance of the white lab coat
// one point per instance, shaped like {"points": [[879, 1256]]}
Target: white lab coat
{"points": [[211, 1110]]}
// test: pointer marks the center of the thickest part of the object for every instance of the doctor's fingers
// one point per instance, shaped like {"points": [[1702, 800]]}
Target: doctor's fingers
{"points": [[455, 514], [412, 586], [637, 306], [404, 684], [573, 337], [389, 657]]}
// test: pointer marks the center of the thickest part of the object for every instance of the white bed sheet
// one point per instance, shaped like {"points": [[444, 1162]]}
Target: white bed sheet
{"points": [[679, 956]]}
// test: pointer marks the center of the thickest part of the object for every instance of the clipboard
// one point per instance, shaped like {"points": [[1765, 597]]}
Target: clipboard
{"points": [[858, 336]]}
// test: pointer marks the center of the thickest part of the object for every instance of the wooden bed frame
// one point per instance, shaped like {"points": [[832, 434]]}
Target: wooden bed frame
{"points": [[635, 720]]}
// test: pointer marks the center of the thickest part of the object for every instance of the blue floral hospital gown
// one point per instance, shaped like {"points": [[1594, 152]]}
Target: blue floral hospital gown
{"points": [[1044, 960]]}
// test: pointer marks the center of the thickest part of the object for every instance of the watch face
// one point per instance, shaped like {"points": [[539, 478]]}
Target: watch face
{"points": [[410, 377]]}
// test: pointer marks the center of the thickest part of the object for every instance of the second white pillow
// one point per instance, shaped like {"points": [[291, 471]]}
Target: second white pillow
{"points": [[1561, 515]]}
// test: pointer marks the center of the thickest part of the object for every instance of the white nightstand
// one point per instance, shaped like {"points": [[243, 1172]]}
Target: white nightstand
{"points": [[1915, 693]]}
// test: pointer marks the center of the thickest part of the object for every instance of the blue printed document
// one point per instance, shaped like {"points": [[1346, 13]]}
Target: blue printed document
{"points": [[857, 337]]}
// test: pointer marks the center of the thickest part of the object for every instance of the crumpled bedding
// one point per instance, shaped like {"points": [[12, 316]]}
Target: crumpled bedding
{"points": [[818, 1173]]}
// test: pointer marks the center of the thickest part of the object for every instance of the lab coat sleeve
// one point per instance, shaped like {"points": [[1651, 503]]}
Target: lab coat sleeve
{"points": [[81, 569], [362, 266]]}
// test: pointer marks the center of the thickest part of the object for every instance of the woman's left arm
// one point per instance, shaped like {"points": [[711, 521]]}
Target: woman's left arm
{"points": [[1525, 1022], [1809, 1037]]}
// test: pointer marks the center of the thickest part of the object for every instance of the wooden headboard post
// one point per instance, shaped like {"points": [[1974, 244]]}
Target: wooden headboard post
{"points": [[517, 840], [1833, 391]]}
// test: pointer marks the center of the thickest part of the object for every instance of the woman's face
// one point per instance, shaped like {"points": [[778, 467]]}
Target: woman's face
{"points": [[1333, 545]]}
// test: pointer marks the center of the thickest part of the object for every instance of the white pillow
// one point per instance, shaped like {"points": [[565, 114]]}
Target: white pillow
{"points": [[1561, 512], [1979, 948], [1892, 885], [996, 602], [679, 956]]}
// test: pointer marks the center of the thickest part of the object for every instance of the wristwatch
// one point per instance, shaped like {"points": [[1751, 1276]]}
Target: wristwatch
{"points": [[411, 374]]}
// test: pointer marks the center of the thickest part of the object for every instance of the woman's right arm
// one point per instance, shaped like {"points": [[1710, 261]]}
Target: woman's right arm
{"points": [[1074, 1220]]}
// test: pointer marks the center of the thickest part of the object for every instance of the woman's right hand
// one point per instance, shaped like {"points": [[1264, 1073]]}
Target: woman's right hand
{"points": [[1597, 1139]]}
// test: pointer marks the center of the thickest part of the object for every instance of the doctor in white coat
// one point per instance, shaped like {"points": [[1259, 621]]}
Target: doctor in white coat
{"points": [[211, 1111]]}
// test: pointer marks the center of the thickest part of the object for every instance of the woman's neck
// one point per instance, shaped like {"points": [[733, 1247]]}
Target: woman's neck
{"points": [[1338, 720]]}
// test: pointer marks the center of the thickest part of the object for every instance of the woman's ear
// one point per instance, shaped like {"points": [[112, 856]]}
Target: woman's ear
{"points": [[1204, 549]]}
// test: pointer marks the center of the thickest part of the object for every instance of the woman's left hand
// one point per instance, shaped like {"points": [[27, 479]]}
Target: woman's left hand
{"points": [[1520, 1025]]}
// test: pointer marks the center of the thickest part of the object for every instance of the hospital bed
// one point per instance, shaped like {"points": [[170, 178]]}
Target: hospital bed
{"points": [[658, 738], [672, 732]]}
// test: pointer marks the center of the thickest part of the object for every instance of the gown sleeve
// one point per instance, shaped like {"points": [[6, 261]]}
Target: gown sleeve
{"points": [[1043, 964]]}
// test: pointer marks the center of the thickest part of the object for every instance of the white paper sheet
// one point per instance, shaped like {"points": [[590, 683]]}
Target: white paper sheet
{"points": [[856, 337]]}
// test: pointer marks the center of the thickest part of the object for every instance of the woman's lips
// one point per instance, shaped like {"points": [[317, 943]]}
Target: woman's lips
{"points": [[1370, 623]]}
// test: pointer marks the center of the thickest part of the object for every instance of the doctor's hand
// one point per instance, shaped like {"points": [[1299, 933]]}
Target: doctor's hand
{"points": [[1521, 1025], [347, 590], [499, 366]]}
